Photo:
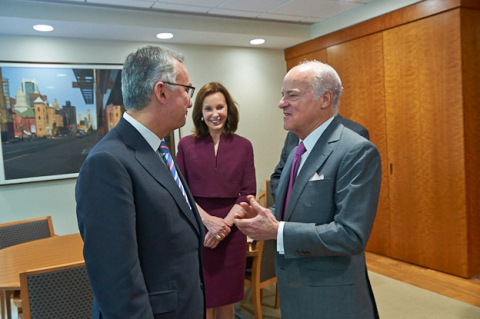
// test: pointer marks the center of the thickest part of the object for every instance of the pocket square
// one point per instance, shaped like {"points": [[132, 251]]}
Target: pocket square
{"points": [[317, 177]]}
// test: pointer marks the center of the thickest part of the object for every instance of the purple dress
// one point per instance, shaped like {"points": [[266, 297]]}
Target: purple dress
{"points": [[218, 183]]}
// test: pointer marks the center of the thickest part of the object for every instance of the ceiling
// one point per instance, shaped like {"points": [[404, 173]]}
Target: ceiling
{"points": [[307, 11], [282, 23]]}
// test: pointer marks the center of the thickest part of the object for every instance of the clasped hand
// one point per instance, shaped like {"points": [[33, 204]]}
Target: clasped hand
{"points": [[218, 229], [256, 221]]}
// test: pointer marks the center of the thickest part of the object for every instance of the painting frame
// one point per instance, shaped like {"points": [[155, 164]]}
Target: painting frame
{"points": [[58, 113]]}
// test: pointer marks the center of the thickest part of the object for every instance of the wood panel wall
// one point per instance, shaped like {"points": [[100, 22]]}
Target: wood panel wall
{"points": [[470, 43], [359, 64], [423, 90], [412, 78], [320, 55]]}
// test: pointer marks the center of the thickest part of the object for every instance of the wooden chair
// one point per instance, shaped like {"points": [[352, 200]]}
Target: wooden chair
{"points": [[22, 231], [261, 255], [56, 292], [19, 232], [262, 273], [265, 197]]}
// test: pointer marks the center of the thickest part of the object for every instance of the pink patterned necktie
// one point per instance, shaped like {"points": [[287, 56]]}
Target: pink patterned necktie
{"points": [[293, 173], [167, 157]]}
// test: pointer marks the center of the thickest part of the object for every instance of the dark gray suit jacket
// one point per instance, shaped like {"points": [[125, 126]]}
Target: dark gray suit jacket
{"points": [[328, 221], [143, 243]]}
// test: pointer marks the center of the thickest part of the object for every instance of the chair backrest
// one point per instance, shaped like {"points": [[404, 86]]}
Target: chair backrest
{"points": [[270, 201], [23, 231], [56, 292], [260, 263], [265, 198], [263, 264], [267, 266]]}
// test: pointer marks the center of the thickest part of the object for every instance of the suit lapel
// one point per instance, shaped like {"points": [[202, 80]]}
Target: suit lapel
{"points": [[319, 154], [151, 161]]}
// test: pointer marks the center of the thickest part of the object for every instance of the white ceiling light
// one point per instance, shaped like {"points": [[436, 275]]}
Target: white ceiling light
{"points": [[165, 36], [43, 27], [257, 41]]}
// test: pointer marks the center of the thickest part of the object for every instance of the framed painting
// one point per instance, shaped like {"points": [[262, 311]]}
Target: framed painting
{"points": [[51, 115]]}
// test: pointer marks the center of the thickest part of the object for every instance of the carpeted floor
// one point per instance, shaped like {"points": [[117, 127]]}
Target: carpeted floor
{"points": [[395, 300]]}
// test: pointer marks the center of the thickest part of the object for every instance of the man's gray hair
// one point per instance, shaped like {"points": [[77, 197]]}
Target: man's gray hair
{"points": [[326, 78], [142, 70]]}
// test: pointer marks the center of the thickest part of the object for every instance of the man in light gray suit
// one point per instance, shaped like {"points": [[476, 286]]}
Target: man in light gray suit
{"points": [[322, 223]]}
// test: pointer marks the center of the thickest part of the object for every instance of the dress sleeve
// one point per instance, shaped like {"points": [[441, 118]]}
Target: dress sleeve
{"points": [[249, 183]]}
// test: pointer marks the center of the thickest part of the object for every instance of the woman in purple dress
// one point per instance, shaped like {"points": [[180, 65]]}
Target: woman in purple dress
{"points": [[219, 168]]}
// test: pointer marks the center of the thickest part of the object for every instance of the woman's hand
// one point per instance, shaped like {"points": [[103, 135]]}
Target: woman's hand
{"points": [[217, 227], [211, 241]]}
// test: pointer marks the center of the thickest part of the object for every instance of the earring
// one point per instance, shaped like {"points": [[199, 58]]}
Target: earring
{"points": [[201, 119]]}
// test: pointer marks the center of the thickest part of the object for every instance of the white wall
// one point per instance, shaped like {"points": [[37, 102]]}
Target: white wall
{"points": [[253, 77]]}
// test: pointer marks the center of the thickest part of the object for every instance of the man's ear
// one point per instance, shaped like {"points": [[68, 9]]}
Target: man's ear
{"points": [[326, 99], [159, 90]]}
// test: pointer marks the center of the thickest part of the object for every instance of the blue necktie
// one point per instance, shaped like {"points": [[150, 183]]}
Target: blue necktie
{"points": [[167, 157], [293, 173]]}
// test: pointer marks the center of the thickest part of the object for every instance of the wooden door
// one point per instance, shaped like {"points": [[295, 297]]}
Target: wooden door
{"points": [[425, 132]]}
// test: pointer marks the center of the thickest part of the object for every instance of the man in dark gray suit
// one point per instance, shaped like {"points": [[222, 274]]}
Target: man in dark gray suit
{"points": [[325, 209], [142, 232], [291, 141]]}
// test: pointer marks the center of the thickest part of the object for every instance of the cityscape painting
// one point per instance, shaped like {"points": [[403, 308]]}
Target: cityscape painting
{"points": [[51, 115]]}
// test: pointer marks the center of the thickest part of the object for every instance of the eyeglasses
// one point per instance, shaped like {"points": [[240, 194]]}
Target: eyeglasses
{"points": [[190, 89]]}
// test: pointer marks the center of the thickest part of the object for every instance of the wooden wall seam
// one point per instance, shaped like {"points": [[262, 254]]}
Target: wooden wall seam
{"points": [[393, 19]]}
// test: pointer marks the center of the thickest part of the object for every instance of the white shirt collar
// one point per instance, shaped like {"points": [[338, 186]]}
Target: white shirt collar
{"points": [[313, 137], [152, 139]]}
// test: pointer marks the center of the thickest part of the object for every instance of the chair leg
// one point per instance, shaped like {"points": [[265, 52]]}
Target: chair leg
{"points": [[277, 300], [17, 301], [8, 294], [3, 297], [256, 303]]}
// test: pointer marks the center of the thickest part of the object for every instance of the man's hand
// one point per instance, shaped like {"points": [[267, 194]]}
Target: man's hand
{"points": [[256, 221], [247, 210]]}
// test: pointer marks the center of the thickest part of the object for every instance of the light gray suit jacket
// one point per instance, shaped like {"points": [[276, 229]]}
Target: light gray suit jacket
{"points": [[328, 222]]}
